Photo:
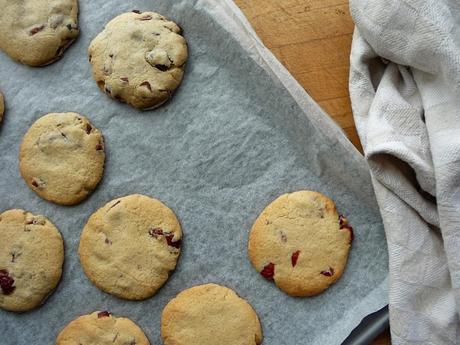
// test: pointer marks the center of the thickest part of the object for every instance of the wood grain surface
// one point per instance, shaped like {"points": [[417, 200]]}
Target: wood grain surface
{"points": [[312, 38]]}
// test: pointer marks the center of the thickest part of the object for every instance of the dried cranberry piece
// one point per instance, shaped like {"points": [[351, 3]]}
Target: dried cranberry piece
{"points": [[294, 258], [125, 79], [34, 183], [6, 282], [88, 128], [269, 271], [176, 244], [342, 221], [156, 232], [137, 11], [328, 273], [104, 313], [99, 147], [37, 29]]}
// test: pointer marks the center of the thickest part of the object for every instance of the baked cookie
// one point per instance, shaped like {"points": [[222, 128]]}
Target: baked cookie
{"points": [[207, 315], [31, 258], [2, 107], [102, 328], [139, 58], [129, 247], [301, 243], [36, 32], [62, 157]]}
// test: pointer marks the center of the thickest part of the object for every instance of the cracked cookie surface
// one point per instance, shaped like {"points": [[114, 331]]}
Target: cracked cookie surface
{"points": [[301, 243], [209, 314], [36, 32], [62, 157], [31, 258], [129, 246], [102, 328], [139, 58]]}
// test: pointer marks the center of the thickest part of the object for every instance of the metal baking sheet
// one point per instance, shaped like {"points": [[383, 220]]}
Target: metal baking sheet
{"points": [[239, 132]]}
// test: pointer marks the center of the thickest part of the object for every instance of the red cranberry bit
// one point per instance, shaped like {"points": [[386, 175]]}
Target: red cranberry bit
{"points": [[156, 232], [294, 258], [269, 271], [88, 128], [137, 11], [34, 183], [104, 313], [125, 79], [99, 147], [146, 17], [147, 85], [342, 221], [176, 244], [6, 282], [328, 273], [36, 29]]}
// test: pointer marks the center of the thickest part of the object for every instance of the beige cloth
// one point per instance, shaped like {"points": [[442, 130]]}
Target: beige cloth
{"points": [[405, 92]]}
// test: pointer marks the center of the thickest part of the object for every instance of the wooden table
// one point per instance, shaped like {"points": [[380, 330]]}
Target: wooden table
{"points": [[312, 38]]}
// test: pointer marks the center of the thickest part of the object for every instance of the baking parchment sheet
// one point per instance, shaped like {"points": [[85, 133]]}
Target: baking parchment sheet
{"points": [[239, 132]]}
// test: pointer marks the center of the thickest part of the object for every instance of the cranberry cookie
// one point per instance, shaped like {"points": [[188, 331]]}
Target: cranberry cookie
{"points": [[36, 32], [62, 157], [207, 315], [101, 328], [301, 243], [31, 258], [139, 58], [129, 247]]}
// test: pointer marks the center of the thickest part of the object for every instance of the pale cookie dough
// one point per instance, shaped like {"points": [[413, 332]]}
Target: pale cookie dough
{"points": [[129, 247], [62, 157], [207, 315], [36, 32], [102, 328], [301, 243], [139, 58], [31, 258], [2, 107]]}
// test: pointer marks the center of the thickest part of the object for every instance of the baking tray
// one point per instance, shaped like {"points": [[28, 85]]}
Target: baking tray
{"points": [[239, 132]]}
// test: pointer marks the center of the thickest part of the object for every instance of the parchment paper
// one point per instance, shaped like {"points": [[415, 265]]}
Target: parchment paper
{"points": [[239, 132]]}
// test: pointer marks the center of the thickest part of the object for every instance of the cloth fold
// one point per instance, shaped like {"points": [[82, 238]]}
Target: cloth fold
{"points": [[405, 93]]}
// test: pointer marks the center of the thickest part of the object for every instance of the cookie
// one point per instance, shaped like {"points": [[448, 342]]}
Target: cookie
{"points": [[62, 157], [31, 258], [301, 243], [129, 247], [209, 314], [139, 58], [2, 107], [36, 32], [100, 328]]}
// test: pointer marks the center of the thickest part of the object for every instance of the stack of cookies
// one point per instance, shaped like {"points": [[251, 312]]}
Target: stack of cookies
{"points": [[130, 246]]}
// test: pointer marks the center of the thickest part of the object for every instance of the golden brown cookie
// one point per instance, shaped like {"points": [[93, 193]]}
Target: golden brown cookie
{"points": [[129, 247], [36, 32], [139, 58], [62, 157], [101, 328], [31, 258], [207, 315], [301, 243]]}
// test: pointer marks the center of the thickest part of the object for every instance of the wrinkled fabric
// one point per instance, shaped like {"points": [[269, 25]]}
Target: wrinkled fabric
{"points": [[405, 93]]}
